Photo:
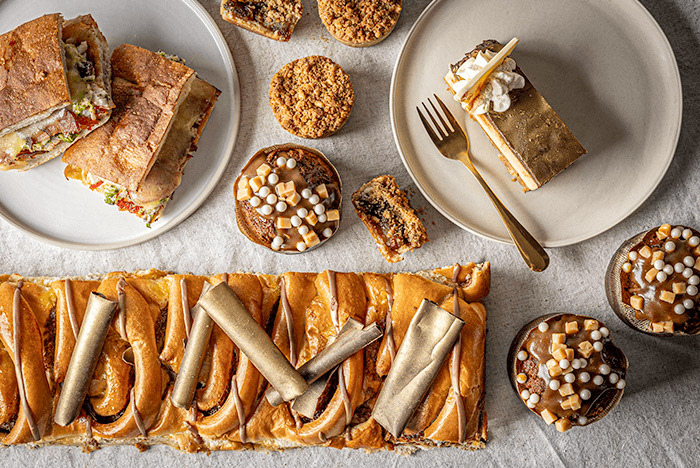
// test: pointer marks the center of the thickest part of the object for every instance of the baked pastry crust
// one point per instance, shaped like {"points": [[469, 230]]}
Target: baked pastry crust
{"points": [[274, 19], [155, 331], [359, 23]]}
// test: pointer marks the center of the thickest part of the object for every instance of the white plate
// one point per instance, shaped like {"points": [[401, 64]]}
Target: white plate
{"points": [[606, 67], [44, 204]]}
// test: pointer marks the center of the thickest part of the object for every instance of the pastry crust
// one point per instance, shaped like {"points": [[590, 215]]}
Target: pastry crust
{"points": [[153, 317], [359, 23]]}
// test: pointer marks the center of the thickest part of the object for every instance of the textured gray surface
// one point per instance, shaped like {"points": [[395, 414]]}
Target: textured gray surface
{"points": [[656, 422]]}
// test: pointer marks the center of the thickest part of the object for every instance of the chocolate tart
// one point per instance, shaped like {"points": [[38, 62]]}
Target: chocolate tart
{"points": [[288, 198], [534, 143], [566, 369], [658, 301], [129, 400]]}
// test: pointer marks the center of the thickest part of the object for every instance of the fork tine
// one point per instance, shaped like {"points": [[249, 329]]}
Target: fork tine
{"points": [[433, 137], [444, 124], [449, 115], [442, 133]]}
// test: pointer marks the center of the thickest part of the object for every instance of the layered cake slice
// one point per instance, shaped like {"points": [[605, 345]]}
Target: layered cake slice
{"points": [[534, 143]]}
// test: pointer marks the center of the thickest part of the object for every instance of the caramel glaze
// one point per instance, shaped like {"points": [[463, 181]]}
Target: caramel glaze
{"points": [[230, 411], [635, 283]]}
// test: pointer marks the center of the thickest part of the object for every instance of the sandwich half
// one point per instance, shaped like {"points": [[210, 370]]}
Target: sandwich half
{"points": [[54, 88], [136, 160]]}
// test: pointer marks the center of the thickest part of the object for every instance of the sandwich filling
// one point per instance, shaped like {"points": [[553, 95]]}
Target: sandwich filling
{"points": [[89, 104]]}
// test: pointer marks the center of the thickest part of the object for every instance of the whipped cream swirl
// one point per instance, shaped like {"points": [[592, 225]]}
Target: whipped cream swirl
{"points": [[494, 94]]}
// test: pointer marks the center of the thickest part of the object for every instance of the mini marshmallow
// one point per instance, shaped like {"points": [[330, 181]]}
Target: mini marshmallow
{"points": [[271, 198], [273, 178], [281, 206], [322, 191], [554, 384], [322, 218], [534, 398], [668, 269], [692, 290], [277, 242], [688, 303], [263, 170], [659, 264], [319, 209], [676, 232], [291, 163], [266, 210], [328, 232], [621, 384], [687, 234], [605, 332], [694, 241], [543, 327], [521, 378], [679, 267], [293, 199], [301, 246], [632, 255], [296, 221], [282, 223], [598, 346], [613, 378], [570, 378], [694, 280], [627, 267], [679, 309], [333, 215], [645, 251], [264, 191], [303, 230], [302, 212], [596, 335], [604, 369], [669, 246], [598, 380], [306, 193], [314, 199], [687, 273], [564, 364], [689, 261], [255, 202], [281, 161], [585, 394], [522, 355], [584, 377]]}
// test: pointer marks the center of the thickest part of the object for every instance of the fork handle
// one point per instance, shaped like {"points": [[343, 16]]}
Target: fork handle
{"points": [[530, 250]]}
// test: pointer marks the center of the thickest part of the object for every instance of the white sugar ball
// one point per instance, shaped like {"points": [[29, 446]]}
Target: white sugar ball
{"points": [[303, 230], [669, 246], [273, 178], [564, 364], [584, 377], [301, 246], [598, 346], [585, 394], [694, 280], [525, 394], [668, 269], [596, 335], [522, 355], [689, 261], [277, 242], [296, 221], [291, 163], [570, 378], [271, 199], [676, 232], [687, 273], [322, 218], [679, 309], [627, 267], [604, 369], [306, 193], [613, 378], [633, 255], [554, 385], [281, 207], [688, 304], [576, 364], [302, 212], [605, 332], [313, 199], [582, 420], [661, 276], [621, 384], [543, 327], [534, 398], [264, 191], [266, 210], [679, 267], [583, 362], [281, 161], [659, 264], [255, 202], [692, 290], [328, 232], [598, 380], [694, 241], [521, 378], [687, 234], [530, 404], [319, 209]]}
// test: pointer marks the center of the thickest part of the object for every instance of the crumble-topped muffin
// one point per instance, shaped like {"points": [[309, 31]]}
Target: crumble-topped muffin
{"points": [[311, 97], [389, 217], [566, 369], [275, 19], [288, 198], [359, 23]]}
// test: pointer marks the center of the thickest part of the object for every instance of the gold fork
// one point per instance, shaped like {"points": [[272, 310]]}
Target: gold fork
{"points": [[453, 143]]}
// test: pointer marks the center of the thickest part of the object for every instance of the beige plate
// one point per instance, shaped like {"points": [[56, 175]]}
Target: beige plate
{"points": [[606, 67]]}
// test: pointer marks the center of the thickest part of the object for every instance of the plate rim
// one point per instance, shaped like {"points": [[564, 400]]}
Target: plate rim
{"points": [[507, 240], [214, 180]]}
